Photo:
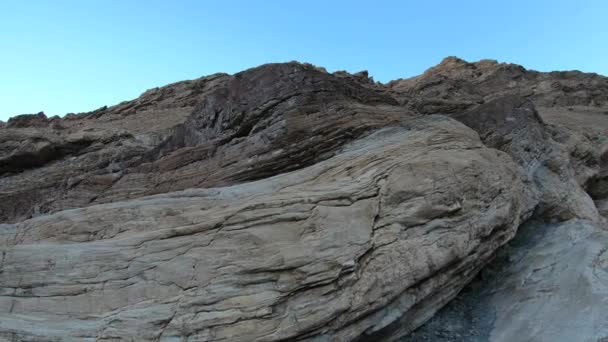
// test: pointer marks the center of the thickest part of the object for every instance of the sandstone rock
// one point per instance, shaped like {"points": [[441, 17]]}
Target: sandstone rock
{"points": [[68, 163], [555, 168], [547, 285], [385, 231], [252, 125], [288, 203]]}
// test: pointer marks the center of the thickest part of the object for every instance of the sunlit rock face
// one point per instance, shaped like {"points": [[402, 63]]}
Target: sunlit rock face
{"points": [[287, 203]]}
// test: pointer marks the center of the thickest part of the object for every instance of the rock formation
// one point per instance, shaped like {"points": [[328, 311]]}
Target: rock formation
{"points": [[288, 203]]}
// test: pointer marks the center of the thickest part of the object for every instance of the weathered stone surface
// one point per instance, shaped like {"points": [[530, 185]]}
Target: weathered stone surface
{"points": [[556, 165], [288, 203], [549, 284], [336, 251], [456, 85], [28, 120], [71, 161], [251, 125]]}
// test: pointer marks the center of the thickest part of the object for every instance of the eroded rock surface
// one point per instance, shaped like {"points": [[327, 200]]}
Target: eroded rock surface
{"points": [[456, 85], [251, 125], [340, 250], [288, 203], [549, 284]]}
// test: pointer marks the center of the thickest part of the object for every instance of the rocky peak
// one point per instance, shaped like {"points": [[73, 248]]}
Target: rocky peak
{"points": [[28, 120], [455, 85]]}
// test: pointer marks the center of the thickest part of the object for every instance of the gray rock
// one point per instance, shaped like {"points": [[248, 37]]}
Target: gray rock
{"points": [[549, 284]]}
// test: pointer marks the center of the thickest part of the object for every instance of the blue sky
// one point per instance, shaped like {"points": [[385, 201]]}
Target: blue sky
{"points": [[62, 56]]}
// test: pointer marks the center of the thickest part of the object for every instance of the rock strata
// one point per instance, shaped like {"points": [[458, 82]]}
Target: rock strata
{"points": [[287, 203], [339, 250]]}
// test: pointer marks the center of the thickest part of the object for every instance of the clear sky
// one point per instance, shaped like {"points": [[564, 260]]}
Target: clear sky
{"points": [[61, 56]]}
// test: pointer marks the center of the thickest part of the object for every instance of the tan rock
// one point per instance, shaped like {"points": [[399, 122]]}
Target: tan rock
{"points": [[341, 249]]}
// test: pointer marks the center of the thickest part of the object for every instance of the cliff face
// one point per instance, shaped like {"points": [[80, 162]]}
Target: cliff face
{"points": [[288, 203], [215, 131]]}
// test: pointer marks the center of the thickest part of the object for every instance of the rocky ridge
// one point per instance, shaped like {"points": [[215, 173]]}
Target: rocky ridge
{"points": [[288, 203]]}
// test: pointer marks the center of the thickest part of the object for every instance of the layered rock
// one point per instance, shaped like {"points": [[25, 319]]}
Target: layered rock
{"points": [[287, 203], [69, 162], [555, 165], [549, 284], [387, 229], [251, 125], [456, 85]]}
